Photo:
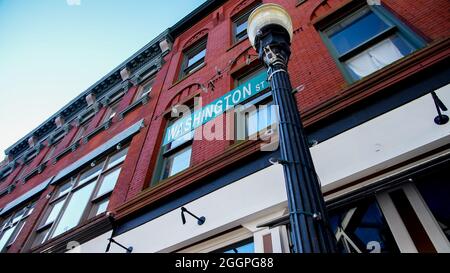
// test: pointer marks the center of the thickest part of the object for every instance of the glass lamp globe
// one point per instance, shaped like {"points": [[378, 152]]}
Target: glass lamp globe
{"points": [[265, 15]]}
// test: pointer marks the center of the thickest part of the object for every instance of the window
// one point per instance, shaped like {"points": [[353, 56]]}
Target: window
{"points": [[258, 115], [51, 151], [82, 197], [435, 191], [362, 228], [12, 225], [237, 240], [369, 40], [145, 89], [175, 156], [193, 58], [31, 155], [80, 133], [111, 112], [240, 24], [245, 246]]}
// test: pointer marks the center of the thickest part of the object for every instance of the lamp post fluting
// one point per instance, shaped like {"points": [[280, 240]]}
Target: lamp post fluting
{"points": [[270, 33]]}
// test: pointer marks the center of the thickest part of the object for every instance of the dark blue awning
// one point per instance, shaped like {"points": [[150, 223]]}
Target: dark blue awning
{"points": [[25, 197]]}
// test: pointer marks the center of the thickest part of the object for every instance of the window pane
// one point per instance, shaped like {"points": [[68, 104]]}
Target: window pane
{"points": [[362, 228], [246, 246], [197, 57], [241, 30], [50, 153], [117, 158], [18, 215], [41, 236], [177, 162], [4, 237], [435, 190], [111, 112], [91, 173], [181, 161], [109, 181], [147, 88], [16, 233], [261, 118], [356, 30], [56, 208], [378, 56], [181, 140], [74, 210], [252, 123], [144, 90], [63, 189], [250, 76], [80, 133], [102, 206]]}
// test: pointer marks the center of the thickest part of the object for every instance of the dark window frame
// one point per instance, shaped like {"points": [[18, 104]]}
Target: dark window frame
{"points": [[241, 18], [10, 222], [395, 27], [91, 208], [191, 52], [140, 94], [167, 151]]}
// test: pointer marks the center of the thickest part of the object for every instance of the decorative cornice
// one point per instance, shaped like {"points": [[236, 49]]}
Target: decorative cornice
{"points": [[100, 89]]}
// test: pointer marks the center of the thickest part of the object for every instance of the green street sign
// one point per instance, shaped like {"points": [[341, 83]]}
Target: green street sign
{"points": [[231, 99]]}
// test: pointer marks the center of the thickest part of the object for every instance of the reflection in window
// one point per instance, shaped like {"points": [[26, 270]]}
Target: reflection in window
{"points": [[193, 58], [362, 229], [435, 190], [366, 41], [12, 225], [74, 210], [111, 111], [82, 197], [144, 90], [175, 156], [257, 115], [177, 162], [240, 24]]}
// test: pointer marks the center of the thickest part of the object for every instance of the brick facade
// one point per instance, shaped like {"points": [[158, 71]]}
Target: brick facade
{"points": [[311, 67]]}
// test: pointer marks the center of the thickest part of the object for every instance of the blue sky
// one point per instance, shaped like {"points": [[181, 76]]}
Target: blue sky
{"points": [[52, 50]]}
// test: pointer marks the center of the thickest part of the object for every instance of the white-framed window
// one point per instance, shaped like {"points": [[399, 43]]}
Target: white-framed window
{"points": [[12, 225], [82, 197]]}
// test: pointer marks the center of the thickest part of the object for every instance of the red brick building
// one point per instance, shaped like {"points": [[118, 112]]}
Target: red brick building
{"points": [[367, 77]]}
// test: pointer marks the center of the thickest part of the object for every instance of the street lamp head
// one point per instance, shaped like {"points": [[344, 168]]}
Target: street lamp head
{"points": [[266, 16]]}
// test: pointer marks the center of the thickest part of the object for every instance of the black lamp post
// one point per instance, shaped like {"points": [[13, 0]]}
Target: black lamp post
{"points": [[270, 33]]}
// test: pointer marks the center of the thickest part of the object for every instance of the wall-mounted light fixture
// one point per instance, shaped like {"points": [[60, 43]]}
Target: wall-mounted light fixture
{"points": [[200, 220], [440, 119], [111, 240]]}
